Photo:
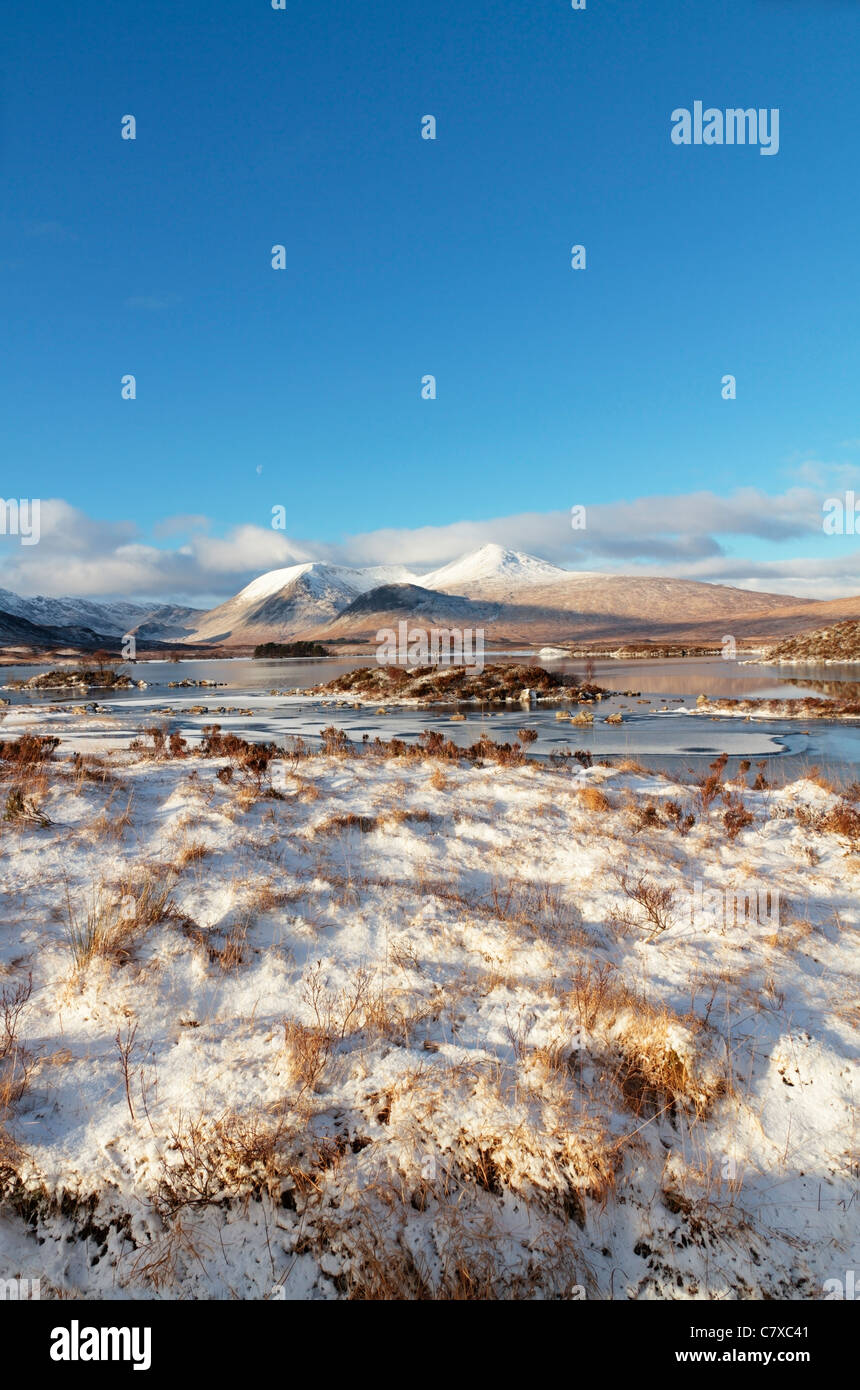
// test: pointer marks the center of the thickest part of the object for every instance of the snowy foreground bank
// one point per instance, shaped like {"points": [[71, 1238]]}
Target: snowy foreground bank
{"points": [[415, 1027]]}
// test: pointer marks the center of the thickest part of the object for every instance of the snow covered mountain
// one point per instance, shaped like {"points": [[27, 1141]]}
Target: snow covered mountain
{"points": [[18, 632], [156, 622], [286, 602], [517, 597]]}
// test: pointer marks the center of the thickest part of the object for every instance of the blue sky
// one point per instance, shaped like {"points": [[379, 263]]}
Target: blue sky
{"points": [[405, 257]]}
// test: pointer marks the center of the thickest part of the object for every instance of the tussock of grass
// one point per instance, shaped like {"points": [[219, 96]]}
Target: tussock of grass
{"points": [[106, 922]]}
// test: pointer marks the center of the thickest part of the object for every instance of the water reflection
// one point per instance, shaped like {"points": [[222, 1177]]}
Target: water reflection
{"points": [[653, 727]]}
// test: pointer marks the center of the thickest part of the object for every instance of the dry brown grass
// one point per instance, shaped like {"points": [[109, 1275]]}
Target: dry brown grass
{"points": [[190, 854], [149, 887], [637, 768], [233, 952], [89, 767], [15, 1063], [308, 1049], [540, 909], [205, 1158], [99, 927], [402, 815], [113, 821], [107, 921], [593, 799], [339, 824], [26, 754]]}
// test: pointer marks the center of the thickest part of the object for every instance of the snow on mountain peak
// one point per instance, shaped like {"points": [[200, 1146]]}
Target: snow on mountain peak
{"points": [[322, 578], [273, 581], [493, 562]]}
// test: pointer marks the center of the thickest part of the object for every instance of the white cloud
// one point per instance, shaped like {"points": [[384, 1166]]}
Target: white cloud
{"points": [[695, 536]]}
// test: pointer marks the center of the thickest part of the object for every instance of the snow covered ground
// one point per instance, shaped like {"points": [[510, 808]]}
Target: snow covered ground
{"points": [[380, 1027]]}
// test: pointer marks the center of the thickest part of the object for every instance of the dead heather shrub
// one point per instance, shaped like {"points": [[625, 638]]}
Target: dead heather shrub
{"points": [[403, 815], [30, 752], [23, 810], [645, 816], [250, 760], [813, 818], [156, 749], [504, 754], [675, 815], [335, 743], [295, 751], [736, 816], [435, 745], [337, 1012], [596, 994], [162, 744], [844, 820], [658, 903], [438, 780], [527, 736], [710, 787], [307, 1049], [209, 1161]]}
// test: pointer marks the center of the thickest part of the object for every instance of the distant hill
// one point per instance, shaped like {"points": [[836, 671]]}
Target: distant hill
{"points": [[840, 642], [158, 621], [20, 632]]}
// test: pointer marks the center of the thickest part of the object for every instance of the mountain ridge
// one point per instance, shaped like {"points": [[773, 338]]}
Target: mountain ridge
{"points": [[516, 597]]}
